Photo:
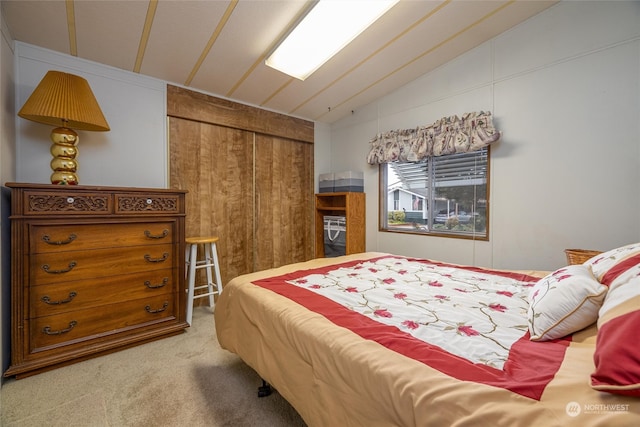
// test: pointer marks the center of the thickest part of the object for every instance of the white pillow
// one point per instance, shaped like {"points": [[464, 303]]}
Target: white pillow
{"points": [[564, 302]]}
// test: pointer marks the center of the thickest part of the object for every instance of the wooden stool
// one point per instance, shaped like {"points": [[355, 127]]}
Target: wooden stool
{"points": [[209, 260]]}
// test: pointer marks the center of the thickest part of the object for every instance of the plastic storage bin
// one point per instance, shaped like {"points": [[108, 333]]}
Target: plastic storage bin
{"points": [[349, 181]]}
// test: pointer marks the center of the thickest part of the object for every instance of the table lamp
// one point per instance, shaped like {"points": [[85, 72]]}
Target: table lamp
{"points": [[65, 101]]}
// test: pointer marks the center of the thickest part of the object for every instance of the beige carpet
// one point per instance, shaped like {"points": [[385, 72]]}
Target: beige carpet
{"points": [[186, 380]]}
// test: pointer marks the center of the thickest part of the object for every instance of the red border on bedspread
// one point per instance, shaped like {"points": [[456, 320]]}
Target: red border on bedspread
{"points": [[528, 370]]}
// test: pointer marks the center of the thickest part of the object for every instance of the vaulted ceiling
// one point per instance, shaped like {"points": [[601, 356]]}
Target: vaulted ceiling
{"points": [[219, 46]]}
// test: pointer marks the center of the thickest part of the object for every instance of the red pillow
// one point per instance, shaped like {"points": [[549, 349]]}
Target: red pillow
{"points": [[617, 354]]}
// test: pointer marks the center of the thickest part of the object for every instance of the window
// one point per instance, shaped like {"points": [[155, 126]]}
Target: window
{"points": [[444, 196]]}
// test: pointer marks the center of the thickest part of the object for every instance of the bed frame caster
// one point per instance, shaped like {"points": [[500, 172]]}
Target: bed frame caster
{"points": [[264, 390]]}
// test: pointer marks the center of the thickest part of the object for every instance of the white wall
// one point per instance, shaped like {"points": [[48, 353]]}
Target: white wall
{"points": [[7, 122], [564, 88], [321, 152], [133, 153], [7, 173]]}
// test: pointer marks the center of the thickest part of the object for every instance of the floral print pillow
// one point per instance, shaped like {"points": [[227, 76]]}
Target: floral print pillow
{"points": [[564, 302]]}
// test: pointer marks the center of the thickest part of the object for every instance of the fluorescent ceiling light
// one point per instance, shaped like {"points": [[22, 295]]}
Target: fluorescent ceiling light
{"points": [[328, 27]]}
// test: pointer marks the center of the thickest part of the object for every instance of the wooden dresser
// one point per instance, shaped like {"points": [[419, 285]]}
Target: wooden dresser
{"points": [[94, 270]]}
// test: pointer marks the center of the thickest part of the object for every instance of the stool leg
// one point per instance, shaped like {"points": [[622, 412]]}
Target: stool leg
{"points": [[193, 256], [187, 251], [216, 266], [208, 248]]}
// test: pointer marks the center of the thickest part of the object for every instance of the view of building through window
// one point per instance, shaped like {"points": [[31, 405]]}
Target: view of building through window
{"points": [[444, 195]]}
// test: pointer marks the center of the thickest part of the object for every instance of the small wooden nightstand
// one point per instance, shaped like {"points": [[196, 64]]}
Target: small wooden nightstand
{"points": [[352, 207]]}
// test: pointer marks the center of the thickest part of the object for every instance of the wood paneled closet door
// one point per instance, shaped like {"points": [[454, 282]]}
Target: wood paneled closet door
{"points": [[253, 191], [284, 212], [215, 164], [249, 176]]}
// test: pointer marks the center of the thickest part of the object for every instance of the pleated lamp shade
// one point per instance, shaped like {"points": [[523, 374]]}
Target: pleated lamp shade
{"points": [[66, 100]]}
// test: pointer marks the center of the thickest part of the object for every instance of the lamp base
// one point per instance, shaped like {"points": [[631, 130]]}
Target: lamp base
{"points": [[64, 151]]}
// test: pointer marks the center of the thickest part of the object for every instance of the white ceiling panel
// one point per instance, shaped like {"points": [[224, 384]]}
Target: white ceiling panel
{"points": [[178, 36], [248, 35], [43, 23], [109, 32], [218, 47]]}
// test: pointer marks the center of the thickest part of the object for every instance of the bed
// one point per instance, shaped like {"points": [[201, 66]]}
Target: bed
{"points": [[376, 339]]}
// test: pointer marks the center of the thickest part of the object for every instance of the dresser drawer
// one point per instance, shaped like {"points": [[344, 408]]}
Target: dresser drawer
{"points": [[73, 237], [80, 326], [43, 202], [143, 204], [50, 299], [58, 267]]}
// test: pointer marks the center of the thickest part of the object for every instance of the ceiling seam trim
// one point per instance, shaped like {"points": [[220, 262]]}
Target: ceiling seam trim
{"points": [[71, 27], [245, 76], [376, 52], [212, 40], [144, 38], [432, 49], [277, 91]]}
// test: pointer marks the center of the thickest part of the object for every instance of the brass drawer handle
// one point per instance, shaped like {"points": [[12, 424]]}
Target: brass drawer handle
{"points": [[160, 310], [47, 329], [47, 300], [47, 239], [164, 234], [46, 268], [164, 258], [159, 285]]}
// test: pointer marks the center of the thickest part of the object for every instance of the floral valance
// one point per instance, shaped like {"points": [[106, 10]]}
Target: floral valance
{"points": [[449, 135]]}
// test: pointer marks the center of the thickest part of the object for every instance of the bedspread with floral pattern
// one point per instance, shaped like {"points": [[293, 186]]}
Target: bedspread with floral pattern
{"points": [[467, 322], [473, 315]]}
